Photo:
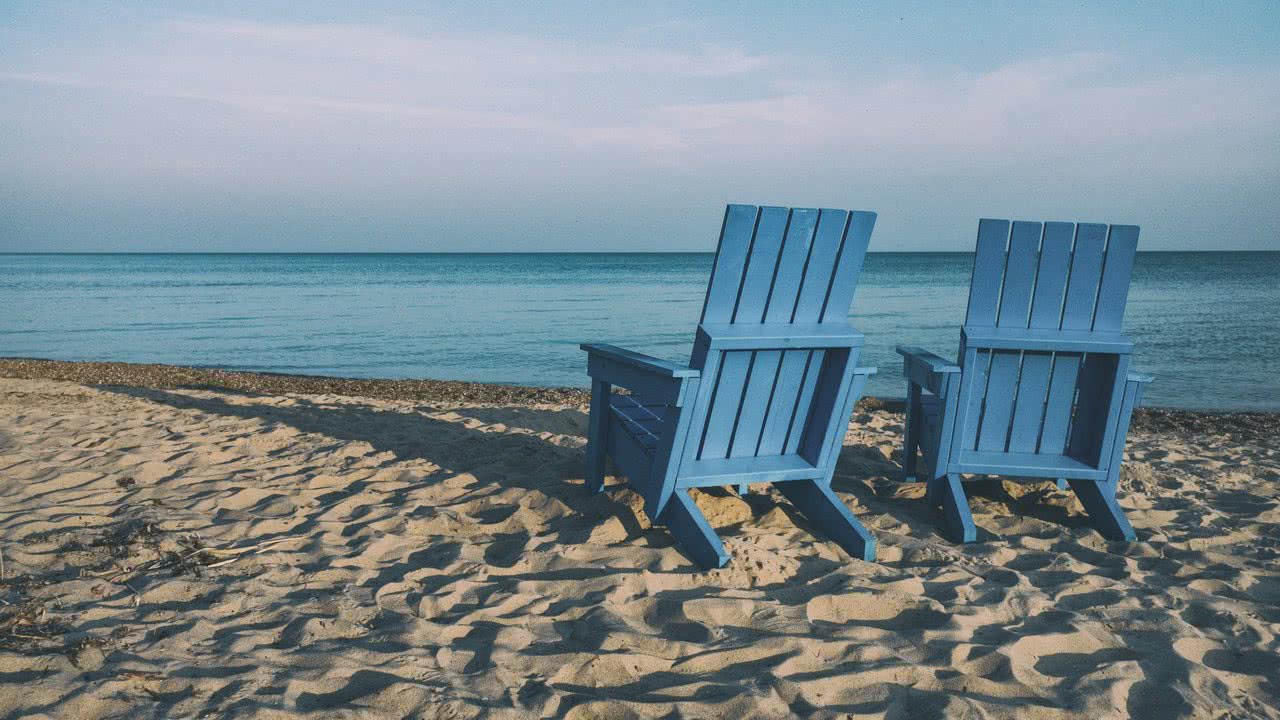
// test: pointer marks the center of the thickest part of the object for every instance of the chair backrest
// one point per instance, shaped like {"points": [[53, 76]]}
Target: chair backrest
{"points": [[1051, 280], [779, 266], [1051, 276]]}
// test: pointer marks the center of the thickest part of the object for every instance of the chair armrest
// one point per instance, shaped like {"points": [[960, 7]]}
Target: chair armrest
{"points": [[646, 376], [638, 361], [925, 369]]}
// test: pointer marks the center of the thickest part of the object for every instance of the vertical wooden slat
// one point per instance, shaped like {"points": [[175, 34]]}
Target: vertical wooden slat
{"points": [[821, 265], [1086, 269], [761, 265], [795, 250], [791, 370], [755, 402], [1046, 313], [725, 401], [1015, 302], [804, 399], [1002, 388], [731, 256], [1113, 292], [1057, 412], [1051, 277], [977, 362], [849, 266], [1077, 314], [782, 300], [757, 386], [988, 267], [1028, 410], [1005, 387], [1019, 275]]}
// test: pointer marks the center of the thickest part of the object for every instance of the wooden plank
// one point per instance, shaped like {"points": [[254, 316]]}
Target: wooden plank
{"points": [[1059, 402], [835, 442], [1019, 275], [791, 373], [1113, 293], [940, 441], [632, 458], [820, 268], [795, 251], [924, 369], [1002, 388], [1099, 500], [1045, 340], [638, 361], [726, 398], [829, 396], [988, 267], [645, 422], [1028, 409], [668, 458], [955, 507], [804, 401], [973, 390], [755, 403], [1051, 275], [980, 462], [1086, 269], [597, 424], [912, 429], [848, 266], [1132, 396], [830, 515], [731, 257], [650, 385], [725, 471], [762, 264], [693, 533], [779, 336]]}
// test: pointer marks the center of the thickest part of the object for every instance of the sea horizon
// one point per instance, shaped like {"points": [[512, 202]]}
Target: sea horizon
{"points": [[546, 252], [517, 318]]}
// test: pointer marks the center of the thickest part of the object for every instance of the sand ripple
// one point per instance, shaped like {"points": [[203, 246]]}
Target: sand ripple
{"points": [[187, 553]]}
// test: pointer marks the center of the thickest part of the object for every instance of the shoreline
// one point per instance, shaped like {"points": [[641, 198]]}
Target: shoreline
{"points": [[1244, 425]]}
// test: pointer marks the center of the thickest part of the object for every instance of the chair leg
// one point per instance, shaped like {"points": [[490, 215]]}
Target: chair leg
{"points": [[955, 507], [830, 515], [597, 435], [691, 530], [743, 489], [911, 433], [1062, 483], [1099, 500]]}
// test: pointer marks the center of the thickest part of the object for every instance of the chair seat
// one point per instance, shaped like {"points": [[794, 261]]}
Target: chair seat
{"points": [[1025, 465], [642, 420]]}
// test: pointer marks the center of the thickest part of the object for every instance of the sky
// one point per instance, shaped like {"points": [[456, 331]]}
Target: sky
{"points": [[249, 126]]}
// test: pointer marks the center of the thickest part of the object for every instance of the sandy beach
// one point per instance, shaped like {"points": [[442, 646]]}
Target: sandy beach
{"points": [[190, 543]]}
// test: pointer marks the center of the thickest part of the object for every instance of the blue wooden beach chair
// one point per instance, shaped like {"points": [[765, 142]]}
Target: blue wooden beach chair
{"points": [[1041, 387], [767, 394]]}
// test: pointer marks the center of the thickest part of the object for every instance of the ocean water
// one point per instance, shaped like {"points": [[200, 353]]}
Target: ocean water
{"points": [[1204, 323]]}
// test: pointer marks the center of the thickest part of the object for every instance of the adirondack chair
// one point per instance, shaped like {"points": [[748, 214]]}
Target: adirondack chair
{"points": [[1042, 386], [767, 393]]}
